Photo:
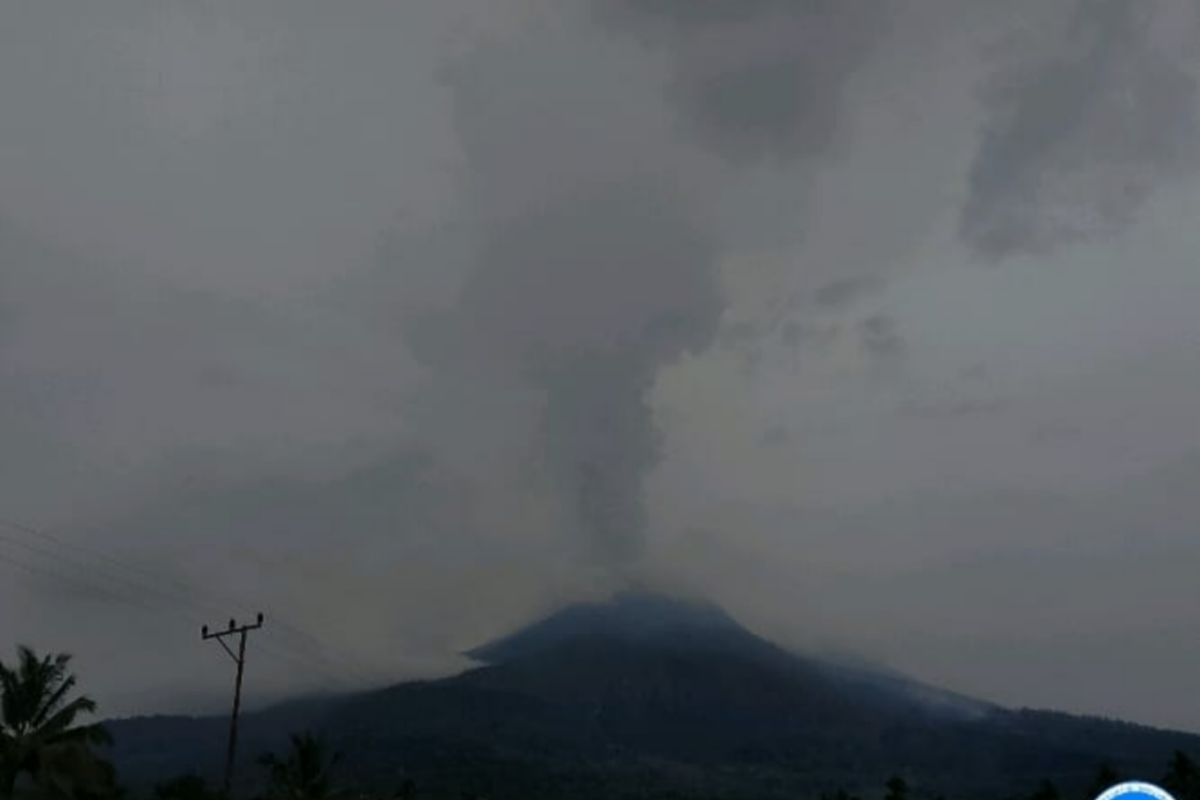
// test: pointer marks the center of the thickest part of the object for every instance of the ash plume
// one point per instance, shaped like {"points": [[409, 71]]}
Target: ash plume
{"points": [[594, 261]]}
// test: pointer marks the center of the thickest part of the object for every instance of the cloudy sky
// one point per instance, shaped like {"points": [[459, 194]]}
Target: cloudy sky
{"points": [[874, 321]]}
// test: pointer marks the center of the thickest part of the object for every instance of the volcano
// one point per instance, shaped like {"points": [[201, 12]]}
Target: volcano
{"points": [[645, 695]]}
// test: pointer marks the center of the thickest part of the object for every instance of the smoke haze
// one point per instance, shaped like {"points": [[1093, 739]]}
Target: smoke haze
{"points": [[405, 322]]}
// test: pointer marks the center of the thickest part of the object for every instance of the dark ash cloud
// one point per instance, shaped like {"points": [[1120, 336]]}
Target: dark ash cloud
{"points": [[594, 298], [1076, 139], [844, 292], [582, 284], [619, 236], [795, 333], [761, 78], [881, 338]]}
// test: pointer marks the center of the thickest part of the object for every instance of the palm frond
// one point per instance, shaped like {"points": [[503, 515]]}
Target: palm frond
{"points": [[65, 716], [38, 734], [55, 699], [89, 734]]}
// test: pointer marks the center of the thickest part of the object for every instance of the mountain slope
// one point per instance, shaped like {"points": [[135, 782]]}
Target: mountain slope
{"points": [[645, 694]]}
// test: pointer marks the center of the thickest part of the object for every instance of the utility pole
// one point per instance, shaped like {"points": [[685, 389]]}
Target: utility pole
{"points": [[240, 659]]}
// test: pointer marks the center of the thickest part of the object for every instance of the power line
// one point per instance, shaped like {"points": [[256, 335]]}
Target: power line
{"points": [[35, 569], [86, 585], [296, 644]]}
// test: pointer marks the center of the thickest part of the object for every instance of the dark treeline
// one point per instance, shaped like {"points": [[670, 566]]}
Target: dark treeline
{"points": [[47, 752]]}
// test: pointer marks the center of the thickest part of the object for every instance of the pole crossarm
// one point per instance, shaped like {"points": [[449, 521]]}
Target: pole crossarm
{"points": [[233, 628]]}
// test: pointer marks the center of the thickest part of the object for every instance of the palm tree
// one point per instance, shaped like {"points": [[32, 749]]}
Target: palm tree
{"points": [[38, 734], [71, 771], [304, 773]]}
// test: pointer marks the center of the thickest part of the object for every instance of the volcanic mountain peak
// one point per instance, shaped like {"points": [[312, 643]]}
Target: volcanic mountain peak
{"points": [[631, 616], [601, 697]]}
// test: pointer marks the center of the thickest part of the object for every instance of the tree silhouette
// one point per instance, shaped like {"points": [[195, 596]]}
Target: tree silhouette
{"points": [[71, 771], [1105, 778], [897, 788], [304, 774], [38, 734], [840, 794], [1046, 791], [185, 787], [1183, 777]]}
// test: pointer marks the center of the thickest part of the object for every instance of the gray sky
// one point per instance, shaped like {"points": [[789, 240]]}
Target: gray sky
{"points": [[873, 321]]}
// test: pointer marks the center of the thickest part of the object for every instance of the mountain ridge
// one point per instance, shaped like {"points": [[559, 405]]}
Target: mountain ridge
{"points": [[642, 689]]}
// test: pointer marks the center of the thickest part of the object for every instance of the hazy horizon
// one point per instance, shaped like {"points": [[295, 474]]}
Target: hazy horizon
{"points": [[405, 323]]}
